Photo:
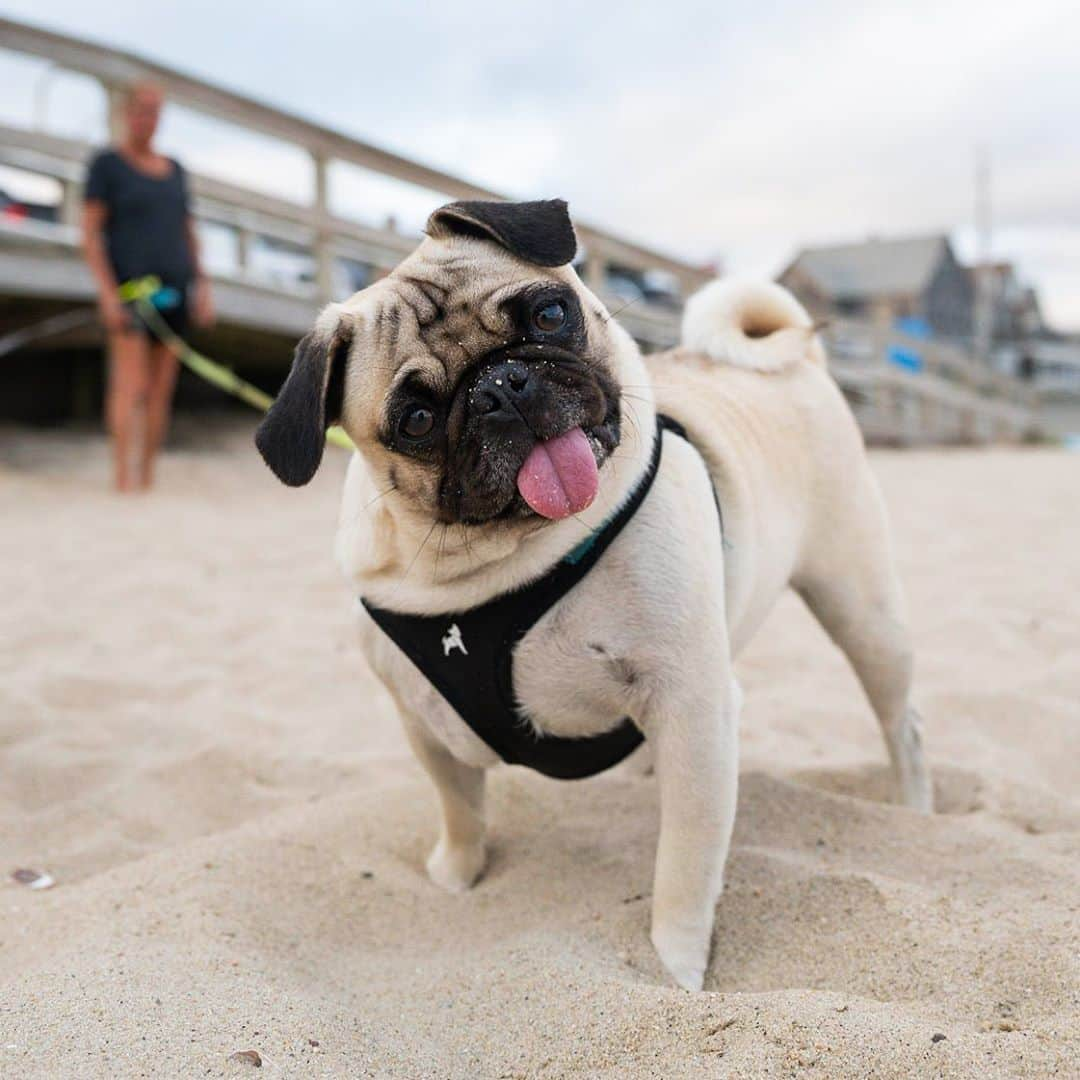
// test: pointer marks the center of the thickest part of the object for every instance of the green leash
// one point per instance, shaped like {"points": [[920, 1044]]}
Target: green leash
{"points": [[141, 292]]}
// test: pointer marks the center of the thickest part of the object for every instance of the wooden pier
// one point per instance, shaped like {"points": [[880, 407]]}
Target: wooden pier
{"points": [[952, 399]]}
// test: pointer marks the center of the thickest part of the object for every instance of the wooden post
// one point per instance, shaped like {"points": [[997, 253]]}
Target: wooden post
{"points": [[595, 273], [1003, 428], [968, 423], [884, 400], [115, 97], [930, 431], [900, 400], [70, 201], [323, 250], [244, 236]]}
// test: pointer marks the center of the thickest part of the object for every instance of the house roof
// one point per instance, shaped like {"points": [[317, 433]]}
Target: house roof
{"points": [[886, 267]]}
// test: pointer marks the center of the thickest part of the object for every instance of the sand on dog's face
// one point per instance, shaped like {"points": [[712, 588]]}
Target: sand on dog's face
{"points": [[192, 747]]}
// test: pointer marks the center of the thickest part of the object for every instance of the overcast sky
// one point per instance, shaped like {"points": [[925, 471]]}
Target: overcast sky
{"points": [[740, 130]]}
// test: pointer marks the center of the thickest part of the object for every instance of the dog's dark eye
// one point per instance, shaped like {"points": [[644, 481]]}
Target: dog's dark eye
{"points": [[550, 317], [417, 423]]}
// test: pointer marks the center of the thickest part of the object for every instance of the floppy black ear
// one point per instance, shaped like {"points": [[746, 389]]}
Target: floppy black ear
{"points": [[538, 232], [292, 436]]}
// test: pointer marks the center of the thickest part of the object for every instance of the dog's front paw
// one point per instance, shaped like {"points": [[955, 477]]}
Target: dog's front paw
{"points": [[685, 953], [456, 868]]}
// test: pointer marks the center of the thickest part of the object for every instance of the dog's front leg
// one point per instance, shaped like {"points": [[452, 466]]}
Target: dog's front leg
{"points": [[458, 857], [695, 734]]}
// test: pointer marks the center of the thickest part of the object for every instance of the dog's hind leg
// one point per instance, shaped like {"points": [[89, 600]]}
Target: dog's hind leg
{"points": [[852, 589], [869, 631]]}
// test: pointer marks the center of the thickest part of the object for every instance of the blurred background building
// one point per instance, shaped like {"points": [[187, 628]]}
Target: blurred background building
{"points": [[906, 277]]}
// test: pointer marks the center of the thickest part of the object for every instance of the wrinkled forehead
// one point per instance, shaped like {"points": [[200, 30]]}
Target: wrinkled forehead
{"points": [[447, 305]]}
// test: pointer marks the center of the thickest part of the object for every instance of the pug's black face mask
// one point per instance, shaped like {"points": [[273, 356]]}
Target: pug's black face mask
{"points": [[528, 426]]}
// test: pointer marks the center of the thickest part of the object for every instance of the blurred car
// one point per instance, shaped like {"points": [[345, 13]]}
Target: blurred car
{"points": [[14, 210]]}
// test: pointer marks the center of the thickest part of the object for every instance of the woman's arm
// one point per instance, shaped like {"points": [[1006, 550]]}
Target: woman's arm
{"points": [[113, 313]]}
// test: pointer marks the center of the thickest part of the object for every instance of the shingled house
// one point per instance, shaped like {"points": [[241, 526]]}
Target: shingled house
{"points": [[906, 277], [1015, 306]]}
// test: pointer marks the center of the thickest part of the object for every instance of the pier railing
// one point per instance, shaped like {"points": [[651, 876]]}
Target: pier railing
{"points": [[906, 390]]}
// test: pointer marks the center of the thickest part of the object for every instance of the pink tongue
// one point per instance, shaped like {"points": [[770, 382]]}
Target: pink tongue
{"points": [[559, 477]]}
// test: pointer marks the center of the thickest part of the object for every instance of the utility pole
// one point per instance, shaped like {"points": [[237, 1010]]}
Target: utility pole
{"points": [[984, 284]]}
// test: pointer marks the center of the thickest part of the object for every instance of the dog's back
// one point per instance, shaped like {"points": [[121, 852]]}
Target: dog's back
{"points": [[751, 387]]}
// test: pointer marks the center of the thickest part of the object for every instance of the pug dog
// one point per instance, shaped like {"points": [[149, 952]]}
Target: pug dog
{"points": [[503, 418]]}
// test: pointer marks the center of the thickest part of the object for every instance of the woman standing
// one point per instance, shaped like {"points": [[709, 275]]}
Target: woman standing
{"points": [[137, 222]]}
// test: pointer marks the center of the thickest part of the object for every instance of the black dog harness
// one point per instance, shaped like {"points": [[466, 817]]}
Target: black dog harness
{"points": [[468, 655]]}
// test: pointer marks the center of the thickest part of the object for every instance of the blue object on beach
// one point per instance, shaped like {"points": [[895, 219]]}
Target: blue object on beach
{"points": [[903, 356], [907, 359], [913, 327]]}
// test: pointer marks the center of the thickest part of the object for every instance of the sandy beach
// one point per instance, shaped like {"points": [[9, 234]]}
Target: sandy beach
{"points": [[191, 745]]}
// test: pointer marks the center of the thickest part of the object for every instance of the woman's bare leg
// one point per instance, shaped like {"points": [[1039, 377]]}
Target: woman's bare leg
{"points": [[129, 376], [163, 366]]}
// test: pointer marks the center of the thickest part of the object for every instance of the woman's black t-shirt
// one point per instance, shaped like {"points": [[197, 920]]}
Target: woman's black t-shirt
{"points": [[146, 224]]}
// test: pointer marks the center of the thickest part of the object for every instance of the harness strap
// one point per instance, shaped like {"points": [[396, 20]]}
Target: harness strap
{"points": [[468, 655]]}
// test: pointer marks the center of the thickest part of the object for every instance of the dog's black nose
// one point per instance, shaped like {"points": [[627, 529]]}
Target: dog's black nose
{"points": [[502, 388]]}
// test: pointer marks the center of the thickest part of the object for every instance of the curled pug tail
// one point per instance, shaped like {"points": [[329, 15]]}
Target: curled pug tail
{"points": [[751, 324]]}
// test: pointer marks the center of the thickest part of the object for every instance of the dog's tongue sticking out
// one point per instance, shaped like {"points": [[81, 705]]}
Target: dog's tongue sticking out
{"points": [[559, 477]]}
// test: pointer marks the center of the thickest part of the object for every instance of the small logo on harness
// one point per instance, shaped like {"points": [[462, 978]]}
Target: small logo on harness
{"points": [[452, 640]]}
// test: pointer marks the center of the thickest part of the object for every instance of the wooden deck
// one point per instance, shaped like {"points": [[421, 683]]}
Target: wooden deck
{"points": [[952, 398], [40, 260]]}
